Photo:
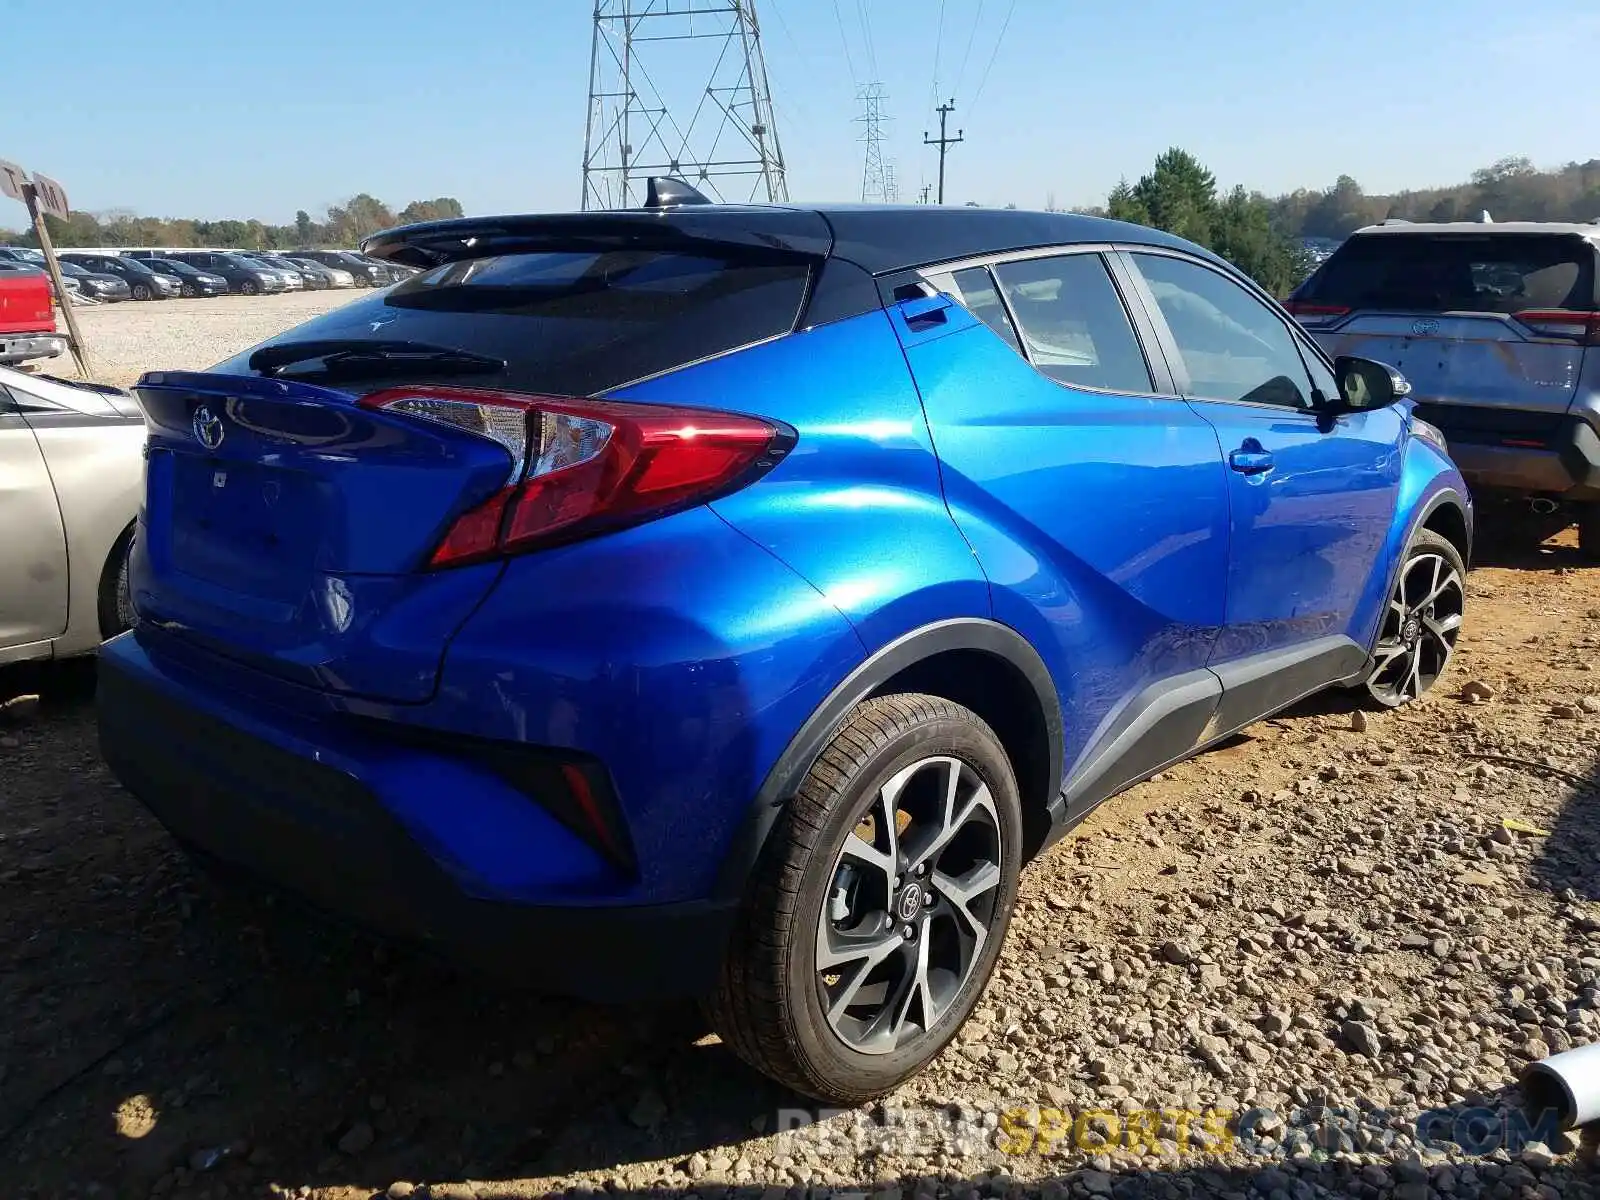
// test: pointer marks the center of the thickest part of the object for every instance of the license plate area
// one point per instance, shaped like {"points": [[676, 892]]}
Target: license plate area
{"points": [[246, 527]]}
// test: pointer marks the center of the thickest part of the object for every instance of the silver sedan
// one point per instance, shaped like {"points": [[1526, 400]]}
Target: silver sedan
{"points": [[71, 478]]}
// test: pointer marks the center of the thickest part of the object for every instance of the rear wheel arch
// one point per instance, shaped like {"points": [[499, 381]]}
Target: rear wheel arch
{"points": [[980, 664]]}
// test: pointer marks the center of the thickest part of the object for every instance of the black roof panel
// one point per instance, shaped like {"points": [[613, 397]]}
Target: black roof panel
{"points": [[885, 238], [881, 238]]}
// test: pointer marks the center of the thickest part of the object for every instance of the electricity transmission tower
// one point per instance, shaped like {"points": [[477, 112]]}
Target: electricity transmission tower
{"points": [[874, 176], [891, 185], [710, 122]]}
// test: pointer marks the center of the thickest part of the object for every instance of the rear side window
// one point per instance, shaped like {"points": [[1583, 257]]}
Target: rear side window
{"points": [[1073, 323], [580, 322], [1503, 273], [976, 290]]}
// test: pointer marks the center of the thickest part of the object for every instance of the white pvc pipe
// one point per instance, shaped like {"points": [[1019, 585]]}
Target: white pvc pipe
{"points": [[1568, 1082]]}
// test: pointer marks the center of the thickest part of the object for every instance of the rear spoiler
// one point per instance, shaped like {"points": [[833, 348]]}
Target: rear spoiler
{"points": [[713, 229]]}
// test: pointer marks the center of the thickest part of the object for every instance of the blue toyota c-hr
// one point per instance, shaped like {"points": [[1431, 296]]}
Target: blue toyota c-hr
{"points": [[729, 601]]}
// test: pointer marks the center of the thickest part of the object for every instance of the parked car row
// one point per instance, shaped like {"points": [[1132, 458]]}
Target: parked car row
{"points": [[160, 275]]}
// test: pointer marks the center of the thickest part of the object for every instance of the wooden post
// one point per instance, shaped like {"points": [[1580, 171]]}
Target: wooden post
{"points": [[74, 339]]}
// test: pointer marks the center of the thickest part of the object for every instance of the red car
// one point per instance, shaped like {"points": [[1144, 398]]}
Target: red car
{"points": [[27, 319]]}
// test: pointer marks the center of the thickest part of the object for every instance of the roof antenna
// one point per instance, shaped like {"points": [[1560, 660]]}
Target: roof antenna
{"points": [[668, 191]]}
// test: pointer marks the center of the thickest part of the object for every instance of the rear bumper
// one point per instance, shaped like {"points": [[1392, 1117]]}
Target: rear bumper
{"points": [[1567, 465], [21, 347], [309, 822]]}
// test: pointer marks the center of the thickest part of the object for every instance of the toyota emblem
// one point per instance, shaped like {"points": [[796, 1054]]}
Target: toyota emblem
{"points": [[1426, 327], [207, 428], [910, 902]]}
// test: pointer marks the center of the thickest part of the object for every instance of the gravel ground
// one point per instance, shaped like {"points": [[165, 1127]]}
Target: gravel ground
{"points": [[127, 339], [1340, 919]]}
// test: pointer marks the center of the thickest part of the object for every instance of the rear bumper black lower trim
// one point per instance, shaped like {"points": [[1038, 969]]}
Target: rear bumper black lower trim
{"points": [[1543, 454], [320, 834]]}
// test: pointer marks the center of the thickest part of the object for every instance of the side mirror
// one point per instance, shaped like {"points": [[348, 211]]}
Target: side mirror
{"points": [[1366, 384]]}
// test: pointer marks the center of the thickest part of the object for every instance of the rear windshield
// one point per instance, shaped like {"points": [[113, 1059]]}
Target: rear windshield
{"points": [[1458, 273], [576, 322]]}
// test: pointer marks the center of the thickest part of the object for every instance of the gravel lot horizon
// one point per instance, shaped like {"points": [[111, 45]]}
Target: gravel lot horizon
{"points": [[127, 339]]}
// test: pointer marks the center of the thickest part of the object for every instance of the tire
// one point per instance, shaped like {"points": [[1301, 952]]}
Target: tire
{"points": [[250, 287], [1421, 622], [816, 881], [188, 291], [116, 600], [1589, 531], [141, 292]]}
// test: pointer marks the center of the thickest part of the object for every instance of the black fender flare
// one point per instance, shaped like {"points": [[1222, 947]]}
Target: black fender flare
{"points": [[958, 633], [1446, 495]]}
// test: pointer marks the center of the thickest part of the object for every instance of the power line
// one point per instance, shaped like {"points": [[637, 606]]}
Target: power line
{"points": [[866, 33], [1004, 25], [967, 54], [799, 50], [845, 42], [938, 45]]}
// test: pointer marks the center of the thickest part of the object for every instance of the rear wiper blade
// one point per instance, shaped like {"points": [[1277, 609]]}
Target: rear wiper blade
{"points": [[357, 356]]}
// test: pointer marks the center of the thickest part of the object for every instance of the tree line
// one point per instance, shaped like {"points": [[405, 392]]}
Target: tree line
{"points": [[1180, 196], [1263, 236], [1512, 189], [343, 225]]}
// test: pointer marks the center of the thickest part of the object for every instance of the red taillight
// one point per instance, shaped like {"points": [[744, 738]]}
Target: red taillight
{"points": [[581, 466], [1315, 314], [1562, 323]]}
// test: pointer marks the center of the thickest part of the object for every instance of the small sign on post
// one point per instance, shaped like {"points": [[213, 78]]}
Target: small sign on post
{"points": [[12, 177], [30, 197], [51, 195], [44, 195]]}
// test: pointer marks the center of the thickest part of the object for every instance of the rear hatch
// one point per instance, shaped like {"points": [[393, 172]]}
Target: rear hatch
{"points": [[284, 526], [1490, 320], [302, 520]]}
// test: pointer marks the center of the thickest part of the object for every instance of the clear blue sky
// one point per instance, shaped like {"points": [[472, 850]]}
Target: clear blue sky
{"points": [[217, 108]]}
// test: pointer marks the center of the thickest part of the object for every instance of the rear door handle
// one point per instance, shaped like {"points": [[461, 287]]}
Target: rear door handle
{"points": [[1250, 462], [924, 312]]}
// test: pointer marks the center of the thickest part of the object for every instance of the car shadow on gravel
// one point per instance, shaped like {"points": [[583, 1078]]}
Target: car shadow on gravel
{"points": [[1568, 861], [279, 1043], [1512, 537]]}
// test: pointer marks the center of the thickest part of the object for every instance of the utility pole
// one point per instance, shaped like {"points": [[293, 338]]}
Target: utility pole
{"points": [[926, 188], [944, 143]]}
